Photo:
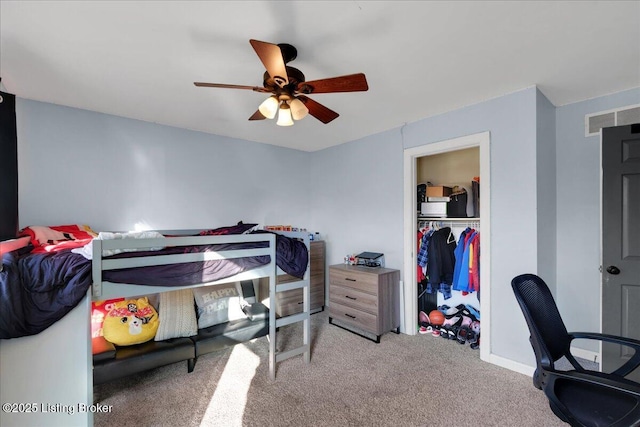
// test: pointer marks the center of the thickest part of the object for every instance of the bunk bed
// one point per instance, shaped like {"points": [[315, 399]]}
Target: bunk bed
{"points": [[216, 260], [127, 267]]}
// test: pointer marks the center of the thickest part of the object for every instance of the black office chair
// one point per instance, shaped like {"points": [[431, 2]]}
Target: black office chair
{"points": [[579, 397]]}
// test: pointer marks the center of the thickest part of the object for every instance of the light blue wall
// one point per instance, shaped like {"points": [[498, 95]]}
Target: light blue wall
{"points": [[357, 198], [77, 166], [373, 220], [511, 122], [578, 192]]}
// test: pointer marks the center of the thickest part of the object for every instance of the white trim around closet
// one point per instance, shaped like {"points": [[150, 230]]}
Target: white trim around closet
{"points": [[410, 318]]}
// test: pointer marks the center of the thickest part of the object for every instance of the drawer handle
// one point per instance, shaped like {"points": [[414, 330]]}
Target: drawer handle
{"points": [[350, 280], [301, 302], [351, 298], [348, 315]]}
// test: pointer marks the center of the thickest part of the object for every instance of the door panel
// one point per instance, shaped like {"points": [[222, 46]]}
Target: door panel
{"points": [[630, 216], [620, 241]]}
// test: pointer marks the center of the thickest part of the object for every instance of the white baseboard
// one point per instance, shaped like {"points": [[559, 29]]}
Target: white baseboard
{"points": [[511, 365], [529, 370], [592, 356]]}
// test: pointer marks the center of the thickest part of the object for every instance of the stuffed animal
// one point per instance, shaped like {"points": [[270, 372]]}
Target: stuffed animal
{"points": [[131, 322], [99, 310]]}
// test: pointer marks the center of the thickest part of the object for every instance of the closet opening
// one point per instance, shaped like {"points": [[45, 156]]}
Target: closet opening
{"points": [[455, 213]]}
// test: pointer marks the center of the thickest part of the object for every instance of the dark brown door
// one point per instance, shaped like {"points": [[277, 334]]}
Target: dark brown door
{"points": [[620, 240]]}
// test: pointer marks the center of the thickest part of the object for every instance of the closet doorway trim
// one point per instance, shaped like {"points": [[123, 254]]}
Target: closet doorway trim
{"points": [[410, 304]]}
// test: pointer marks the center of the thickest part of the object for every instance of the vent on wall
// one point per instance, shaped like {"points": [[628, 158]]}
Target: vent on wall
{"points": [[618, 117]]}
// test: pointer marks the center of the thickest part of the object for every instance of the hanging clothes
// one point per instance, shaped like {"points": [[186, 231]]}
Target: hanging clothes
{"points": [[423, 252], [426, 301], [441, 261], [461, 282], [419, 268], [474, 264], [459, 252], [467, 269]]}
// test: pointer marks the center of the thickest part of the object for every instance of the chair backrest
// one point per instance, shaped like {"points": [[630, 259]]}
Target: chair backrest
{"points": [[549, 336]]}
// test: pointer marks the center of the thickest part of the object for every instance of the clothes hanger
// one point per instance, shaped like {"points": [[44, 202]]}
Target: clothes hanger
{"points": [[451, 238]]}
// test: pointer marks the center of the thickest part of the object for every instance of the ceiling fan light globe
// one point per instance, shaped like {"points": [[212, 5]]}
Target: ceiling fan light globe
{"points": [[298, 110], [269, 107], [284, 116]]}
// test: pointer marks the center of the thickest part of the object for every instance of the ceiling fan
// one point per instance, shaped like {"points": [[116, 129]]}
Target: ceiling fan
{"points": [[288, 87]]}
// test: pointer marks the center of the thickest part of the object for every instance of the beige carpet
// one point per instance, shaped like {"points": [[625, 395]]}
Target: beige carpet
{"points": [[403, 381]]}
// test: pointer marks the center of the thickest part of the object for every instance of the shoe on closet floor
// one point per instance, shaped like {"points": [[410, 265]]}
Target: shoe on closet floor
{"points": [[425, 330], [465, 327], [452, 320], [473, 311], [448, 333], [449, 311], [463, 334], [472, 337], [475, 345]]}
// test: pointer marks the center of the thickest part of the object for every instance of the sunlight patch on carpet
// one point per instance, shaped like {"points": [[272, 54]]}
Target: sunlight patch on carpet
{"points": [[230, 398]]}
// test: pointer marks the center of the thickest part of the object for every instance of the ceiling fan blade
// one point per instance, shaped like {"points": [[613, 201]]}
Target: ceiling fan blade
{"points": [[226, 86], [318, 110], [257, 116], [350, 83], [271, 56]]}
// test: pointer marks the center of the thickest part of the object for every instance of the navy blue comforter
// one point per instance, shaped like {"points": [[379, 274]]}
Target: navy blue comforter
{"points": [[291, 255], [37, 290]]}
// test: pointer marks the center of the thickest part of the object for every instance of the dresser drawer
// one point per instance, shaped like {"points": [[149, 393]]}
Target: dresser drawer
{"points": [[354, 298], [357, 318], [288, 306], [354, 279]]}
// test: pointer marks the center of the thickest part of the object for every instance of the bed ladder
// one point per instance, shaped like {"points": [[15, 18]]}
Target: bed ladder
{"points": [[303, 317]]}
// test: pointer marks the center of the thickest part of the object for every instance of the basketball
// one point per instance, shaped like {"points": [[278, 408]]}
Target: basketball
{"points": [[436, 317]]}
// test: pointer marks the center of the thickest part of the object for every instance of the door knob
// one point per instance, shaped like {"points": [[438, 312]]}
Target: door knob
{"points": [[612, 269]]}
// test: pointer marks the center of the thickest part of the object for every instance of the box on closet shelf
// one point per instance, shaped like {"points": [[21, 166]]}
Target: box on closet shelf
{"points": [[438, 191], [435, 209]]}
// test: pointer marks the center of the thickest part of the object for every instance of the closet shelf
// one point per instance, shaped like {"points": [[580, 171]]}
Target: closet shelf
{"points": [[449, 222], [445, 219]]}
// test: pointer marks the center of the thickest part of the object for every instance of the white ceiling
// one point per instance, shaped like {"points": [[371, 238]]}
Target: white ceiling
{"points": [[139, 59]]}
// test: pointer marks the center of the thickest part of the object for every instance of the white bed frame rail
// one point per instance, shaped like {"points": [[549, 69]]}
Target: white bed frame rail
{"points": [[105, 290], [303, 317]]}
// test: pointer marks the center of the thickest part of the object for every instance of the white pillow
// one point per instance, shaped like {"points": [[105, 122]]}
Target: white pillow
{"points": [[177, 315], [218, 304]]}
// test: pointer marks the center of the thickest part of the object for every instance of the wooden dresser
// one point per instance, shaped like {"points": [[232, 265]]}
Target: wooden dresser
{"points": [[365, 298], [290, 302]]}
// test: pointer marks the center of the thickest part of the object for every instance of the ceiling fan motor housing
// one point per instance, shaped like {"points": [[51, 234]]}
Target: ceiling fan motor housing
{"points": [[289, 52], [295, 77]]}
